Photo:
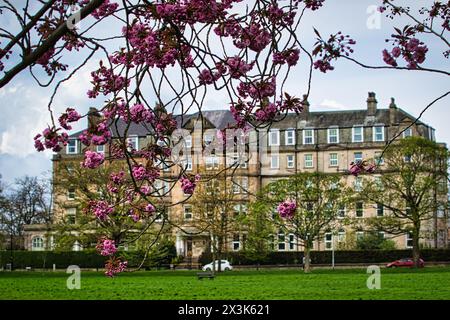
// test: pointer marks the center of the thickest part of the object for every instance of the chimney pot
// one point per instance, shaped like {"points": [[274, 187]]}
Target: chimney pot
{"points": [[371, 104]]}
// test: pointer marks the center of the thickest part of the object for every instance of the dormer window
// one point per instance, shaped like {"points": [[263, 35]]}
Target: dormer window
{"points": [[407, 133], [274, 137], [290, 137], [378, 133], [308, 136], [333, 135], [358, 134], [133, 143], [72, 146]]}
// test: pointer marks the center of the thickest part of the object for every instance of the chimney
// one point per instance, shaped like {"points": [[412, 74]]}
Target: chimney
{"points": [[94, 117], [392, 112], [371, 104], [305, 104]]}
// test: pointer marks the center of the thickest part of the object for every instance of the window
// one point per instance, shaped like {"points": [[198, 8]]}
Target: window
{"points": [[341, 236], [407, 133], [358, 156], [166, 188], [333, 135], [407, 158], [188, 141], [328, 241], [162, 165], [289, 137], [380, 210], [212, 163], [240, 185], [341, 211], [71, 215], [290, 161], [238, 161], [358, 134], [359, 235], [77, 246], [37, 244], [100, 149], [334, 162], [378, 133], [244, 184], [309, 161], [187, 212], [359, 209], [274, 137], [281, 241], [378, 159], [236, 242], [274, 161], [208, 139], [378, 182], [188, 165], [133, 143], [291, 242], [163, 142], [409, 240], [71, 194], [358, 184], [308, 136], [72, 146], [381, 235]]}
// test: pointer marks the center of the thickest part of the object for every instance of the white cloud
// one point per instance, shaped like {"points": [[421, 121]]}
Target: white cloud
{"points": [[332, 104]]}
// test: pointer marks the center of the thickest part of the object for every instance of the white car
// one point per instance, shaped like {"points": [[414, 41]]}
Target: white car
{"points": [[224, 266]]}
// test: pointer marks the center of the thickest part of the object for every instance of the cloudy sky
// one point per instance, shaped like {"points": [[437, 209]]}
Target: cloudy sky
{"points": [[24, 104]]}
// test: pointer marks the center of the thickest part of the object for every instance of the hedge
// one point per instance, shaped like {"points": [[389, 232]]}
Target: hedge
{"points": [[324, 257], [83, 259]]}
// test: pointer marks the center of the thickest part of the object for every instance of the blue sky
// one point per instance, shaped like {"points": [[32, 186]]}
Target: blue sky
{"points": [[24, 104]]}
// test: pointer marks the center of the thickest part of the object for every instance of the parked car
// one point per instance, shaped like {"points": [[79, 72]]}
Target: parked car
{"points": [[405, 262], [224, 266]]}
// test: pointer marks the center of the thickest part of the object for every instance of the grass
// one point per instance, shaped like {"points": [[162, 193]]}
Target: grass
{"points": [[427, 283]]}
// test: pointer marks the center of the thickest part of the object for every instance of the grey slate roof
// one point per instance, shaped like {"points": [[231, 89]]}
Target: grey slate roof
{"points": [[222, 118]]}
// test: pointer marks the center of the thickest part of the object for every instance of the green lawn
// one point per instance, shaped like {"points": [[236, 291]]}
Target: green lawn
{"points": [[427, 283]]}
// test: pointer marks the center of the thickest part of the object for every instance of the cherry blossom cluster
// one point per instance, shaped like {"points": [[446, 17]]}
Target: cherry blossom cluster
{"points": [[71, 115], [289, 56], [188, 184], [138, 113], [114, 266], [50, 139], [311, 4], [327, 51], [193, 11], [361, 166], [92, 159], [97, 134], [406, 45], [105, 9], [278, 16], [106, 247], [106, 82], [140, 172], [100, 208], [286, 209]]}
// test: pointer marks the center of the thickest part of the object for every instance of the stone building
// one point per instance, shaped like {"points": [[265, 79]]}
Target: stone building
{"points": [[312, 141]]}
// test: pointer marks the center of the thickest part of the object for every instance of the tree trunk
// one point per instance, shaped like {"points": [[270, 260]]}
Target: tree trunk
{"points": [[416, 249], [307, 264]]}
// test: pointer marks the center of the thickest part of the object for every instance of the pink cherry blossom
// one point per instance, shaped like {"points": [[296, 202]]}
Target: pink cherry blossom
{"points": [[106, 247], [286, 209], [93, 159], [101, 209]]}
